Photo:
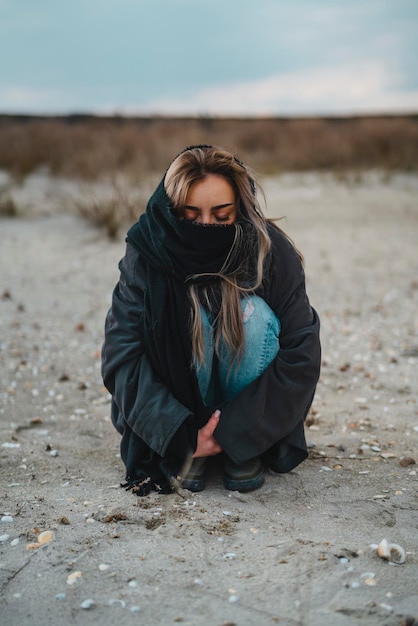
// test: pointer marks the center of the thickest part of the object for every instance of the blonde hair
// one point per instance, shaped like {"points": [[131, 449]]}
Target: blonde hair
{"points": [[193, 165]]}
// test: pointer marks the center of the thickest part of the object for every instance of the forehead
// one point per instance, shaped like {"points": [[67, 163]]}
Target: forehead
{"points": [[212, 187]]}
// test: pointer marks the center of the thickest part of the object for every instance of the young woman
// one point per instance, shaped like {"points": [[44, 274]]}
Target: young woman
{"points": [[211, 346]]}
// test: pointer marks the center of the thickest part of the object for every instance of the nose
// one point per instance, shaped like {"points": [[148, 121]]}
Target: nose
{"points": [[206, 217]]}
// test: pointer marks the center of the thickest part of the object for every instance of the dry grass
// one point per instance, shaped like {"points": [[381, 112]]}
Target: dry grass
{"points": [[125, 154], [111, 208], [91, 147]]}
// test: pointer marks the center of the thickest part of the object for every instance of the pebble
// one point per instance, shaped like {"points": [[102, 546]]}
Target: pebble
{"points": [[407, 460], [232, 599], [7, 518], [8, 444], [103, 567], [229, 555], [88, 604], [4, 538], [60, 596], [135, 609]]}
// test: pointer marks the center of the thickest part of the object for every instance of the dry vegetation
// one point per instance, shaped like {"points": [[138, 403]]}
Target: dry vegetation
{"points": [[113, 160], [93, 147]]}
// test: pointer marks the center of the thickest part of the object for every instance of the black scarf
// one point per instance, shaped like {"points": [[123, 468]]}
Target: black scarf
{"points": [[174, 252]]}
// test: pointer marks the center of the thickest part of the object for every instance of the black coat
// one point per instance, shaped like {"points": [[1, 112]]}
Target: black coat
{"points": [[265, 419]]}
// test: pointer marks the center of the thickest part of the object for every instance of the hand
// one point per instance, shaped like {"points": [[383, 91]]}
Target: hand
{"points": [[206, 443]]}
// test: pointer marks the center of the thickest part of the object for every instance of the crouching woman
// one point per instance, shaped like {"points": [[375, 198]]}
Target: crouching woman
{"points": [[211, 345]]}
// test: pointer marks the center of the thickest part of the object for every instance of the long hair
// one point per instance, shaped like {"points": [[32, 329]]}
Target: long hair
{"points": [[193, 165]]}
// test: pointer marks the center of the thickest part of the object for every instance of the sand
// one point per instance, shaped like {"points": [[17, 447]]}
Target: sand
{"points": [[299, 551]]}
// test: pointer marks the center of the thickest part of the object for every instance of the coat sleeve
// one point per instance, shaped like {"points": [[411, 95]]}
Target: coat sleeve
{"points": [[275, 405], [139, 399]]}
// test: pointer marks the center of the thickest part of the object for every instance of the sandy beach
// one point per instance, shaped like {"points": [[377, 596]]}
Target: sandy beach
{"points": [[301, 550]]}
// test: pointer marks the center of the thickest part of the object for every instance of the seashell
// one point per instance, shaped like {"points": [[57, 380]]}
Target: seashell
{"points": [[103, 567], [73, 577], [391, 552], [45, 537], [121, 603], [88, 604]]}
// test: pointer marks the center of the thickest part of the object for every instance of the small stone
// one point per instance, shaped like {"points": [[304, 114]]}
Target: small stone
{"points": [[14, 542], [407, 460], [103, 567], [135, 609], [60, 596], [232, 599], [229, 556], [88, 604], [7, 519], [4, 538], [54, 453]]}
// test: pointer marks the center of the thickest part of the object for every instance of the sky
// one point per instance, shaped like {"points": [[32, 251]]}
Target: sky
{"points": [[213, 57]]}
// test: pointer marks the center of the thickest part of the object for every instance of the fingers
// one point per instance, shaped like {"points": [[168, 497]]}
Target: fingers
{"points": [[212, 423]]}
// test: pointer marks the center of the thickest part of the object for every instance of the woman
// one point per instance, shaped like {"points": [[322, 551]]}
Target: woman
{"points": [[211, 346]]}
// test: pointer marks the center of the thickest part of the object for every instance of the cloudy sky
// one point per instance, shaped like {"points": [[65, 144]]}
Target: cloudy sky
{"points": [[233, 57]]}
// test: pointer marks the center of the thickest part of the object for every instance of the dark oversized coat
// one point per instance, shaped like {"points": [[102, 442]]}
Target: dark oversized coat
{"points": [[265, 419]]}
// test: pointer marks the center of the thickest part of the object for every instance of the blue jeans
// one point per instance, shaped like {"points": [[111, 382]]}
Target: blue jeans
{"points": [[218, 381]]}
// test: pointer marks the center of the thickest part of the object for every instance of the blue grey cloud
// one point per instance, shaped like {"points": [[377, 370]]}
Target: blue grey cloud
{"points": [[97, 55]]}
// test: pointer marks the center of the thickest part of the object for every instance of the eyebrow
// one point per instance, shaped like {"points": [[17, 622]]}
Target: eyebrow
{"points": [[214, 208]]}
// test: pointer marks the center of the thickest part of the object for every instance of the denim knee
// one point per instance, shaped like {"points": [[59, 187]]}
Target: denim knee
{"points": [[261, 345], [262, 331]]}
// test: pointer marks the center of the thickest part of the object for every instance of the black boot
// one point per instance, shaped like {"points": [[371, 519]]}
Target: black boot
{"points": [[243, 476]]}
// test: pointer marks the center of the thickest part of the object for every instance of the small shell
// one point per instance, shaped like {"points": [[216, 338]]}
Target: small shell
{"points": [[45, 537], [391, 552], [73, 577], [88, 604]]}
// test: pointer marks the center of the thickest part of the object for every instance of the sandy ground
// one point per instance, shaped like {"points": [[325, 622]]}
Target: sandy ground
{"points": [[297, 552]]}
